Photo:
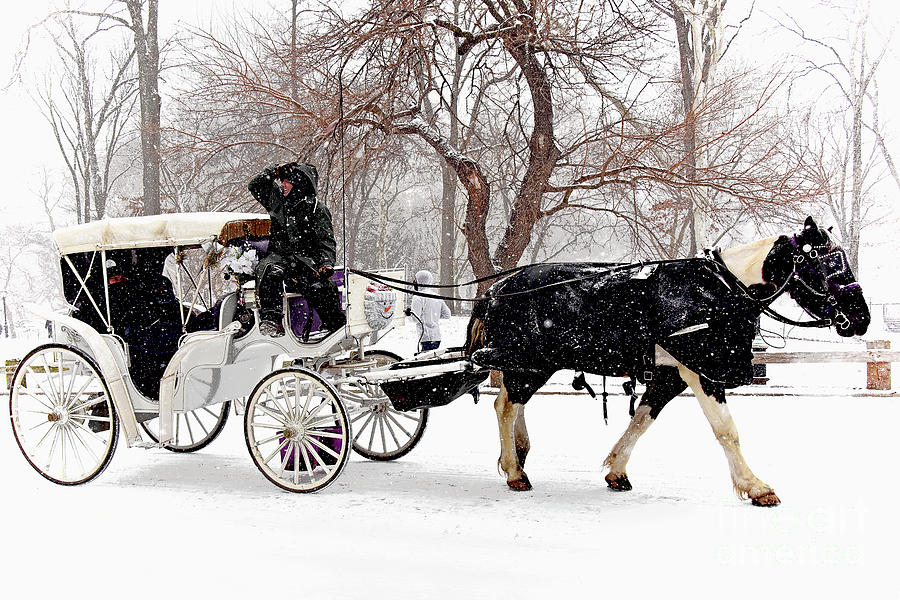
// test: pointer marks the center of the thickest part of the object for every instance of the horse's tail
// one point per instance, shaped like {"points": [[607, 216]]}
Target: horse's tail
{"points": [[475, 328]]}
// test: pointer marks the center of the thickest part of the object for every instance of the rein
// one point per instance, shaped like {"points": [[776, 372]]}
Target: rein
{"points": [[399, 284], [765, 303]]}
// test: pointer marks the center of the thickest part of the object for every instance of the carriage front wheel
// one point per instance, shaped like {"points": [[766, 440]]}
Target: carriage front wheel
{"points": [[297, 430], [62, 414]]}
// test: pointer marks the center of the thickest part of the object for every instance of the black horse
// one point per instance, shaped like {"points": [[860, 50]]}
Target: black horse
{"points": [[613, 320]]}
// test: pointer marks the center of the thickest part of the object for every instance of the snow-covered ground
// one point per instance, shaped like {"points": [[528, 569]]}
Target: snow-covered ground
{"points": [[440, 522]]}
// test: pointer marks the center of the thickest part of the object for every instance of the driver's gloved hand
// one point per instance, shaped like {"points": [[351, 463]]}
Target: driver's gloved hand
{"points": [[407, 311], [325, 271]]}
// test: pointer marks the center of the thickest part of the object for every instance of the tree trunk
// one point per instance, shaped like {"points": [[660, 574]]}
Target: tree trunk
{"points": [[697, 25], [542, 158], [448, 228], [147, 46]]}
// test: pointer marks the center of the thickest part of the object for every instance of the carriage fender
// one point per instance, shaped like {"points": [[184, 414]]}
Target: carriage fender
{"points": [[101, 352], [170, 376]]}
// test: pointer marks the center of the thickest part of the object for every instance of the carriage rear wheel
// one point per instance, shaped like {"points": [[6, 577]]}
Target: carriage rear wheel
{"points": [[382, 432], [194, 430], [297, 430], [62, 414]]}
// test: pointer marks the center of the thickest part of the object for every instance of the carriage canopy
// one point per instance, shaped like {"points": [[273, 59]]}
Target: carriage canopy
{"points": [[177, 229]]}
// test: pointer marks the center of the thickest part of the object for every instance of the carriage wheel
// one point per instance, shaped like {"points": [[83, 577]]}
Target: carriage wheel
{"points": [[62, 414], [297, 430], [382, 432], [194, 430]]}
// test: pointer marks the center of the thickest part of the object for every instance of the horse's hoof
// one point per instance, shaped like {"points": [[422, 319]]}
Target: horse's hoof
{"points": [[520, 485], [768, 499], [619, 483]]}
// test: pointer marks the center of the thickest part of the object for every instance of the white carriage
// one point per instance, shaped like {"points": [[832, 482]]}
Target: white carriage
{"points": [[156, 343]]}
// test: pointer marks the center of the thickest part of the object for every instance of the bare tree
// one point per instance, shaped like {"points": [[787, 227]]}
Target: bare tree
{"points": [[850, 67], [87, 110]]}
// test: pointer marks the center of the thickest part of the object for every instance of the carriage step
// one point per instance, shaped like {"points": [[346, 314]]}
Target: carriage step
{"points": [[145, 445]]}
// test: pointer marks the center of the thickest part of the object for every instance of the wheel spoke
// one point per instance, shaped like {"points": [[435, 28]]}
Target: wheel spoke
{"points": [[77, 454], [44, 437], [88, 404], [38, 400], [407, 415], [199, 422], [91, 433], [77, 395], [363, 428], [372, 434], [362, 413], [41, 424], [309, 396], [275, 451], [397, 423], [187, 424], [381, 429], [86, 446], [271, 438], [271, 413], [295, 452], [326, 434], [53, 446], [317, 456], [315, 411], [49, 375], [390, 429], [307, 460], [320, 422], [322, 446]]}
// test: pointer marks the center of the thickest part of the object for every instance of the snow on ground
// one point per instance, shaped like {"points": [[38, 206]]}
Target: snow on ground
{"points": [[440, 523]]}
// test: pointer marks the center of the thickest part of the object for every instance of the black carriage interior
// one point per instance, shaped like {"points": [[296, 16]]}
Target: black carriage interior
{"points": [[143, 307]]}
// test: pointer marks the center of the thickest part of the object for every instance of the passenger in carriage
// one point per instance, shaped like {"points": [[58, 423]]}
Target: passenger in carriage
{"points": [[301, 247]]}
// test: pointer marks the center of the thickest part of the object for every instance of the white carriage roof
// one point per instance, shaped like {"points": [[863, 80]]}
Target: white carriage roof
{"points": [[179, 229]]}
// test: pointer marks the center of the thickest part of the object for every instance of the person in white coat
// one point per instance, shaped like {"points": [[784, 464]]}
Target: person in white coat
{"points": [[427, 313]]}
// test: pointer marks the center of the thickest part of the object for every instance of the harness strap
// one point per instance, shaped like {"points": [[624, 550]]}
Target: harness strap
{"points": [[610, 268], [764, 303]]}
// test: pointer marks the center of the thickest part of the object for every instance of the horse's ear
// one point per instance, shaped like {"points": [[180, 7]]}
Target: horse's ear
{"points": [[809, 223], [831, 229]]}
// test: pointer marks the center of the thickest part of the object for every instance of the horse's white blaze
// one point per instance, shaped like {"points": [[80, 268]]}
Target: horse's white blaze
{"points": [[719, 417], [746, 261], [621, 452]]}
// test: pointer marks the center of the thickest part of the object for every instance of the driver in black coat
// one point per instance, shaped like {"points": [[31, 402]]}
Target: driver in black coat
{"points": [[301, 246]]}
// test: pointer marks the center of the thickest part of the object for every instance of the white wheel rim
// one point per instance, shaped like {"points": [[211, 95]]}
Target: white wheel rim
{"points": [[62, 415], [297, 431]]}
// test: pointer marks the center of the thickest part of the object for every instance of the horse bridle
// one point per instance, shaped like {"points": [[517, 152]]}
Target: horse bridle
{"points": [[827, 265], [799, 255]]}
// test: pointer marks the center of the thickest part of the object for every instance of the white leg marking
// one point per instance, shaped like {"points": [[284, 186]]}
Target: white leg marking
{"points": [[621, 452], [522, 443], [507, 412], [719, 417]]}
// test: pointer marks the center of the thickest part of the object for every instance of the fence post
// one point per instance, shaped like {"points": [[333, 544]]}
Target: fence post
{"points": [[878, 374]]}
